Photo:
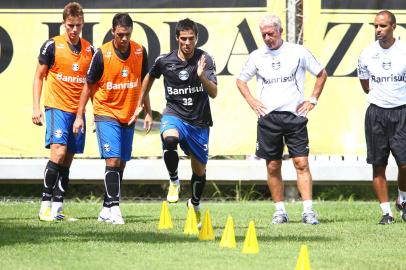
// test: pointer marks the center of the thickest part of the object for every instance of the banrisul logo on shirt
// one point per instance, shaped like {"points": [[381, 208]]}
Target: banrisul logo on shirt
{"points": [[75, 67], [124, 73], [183, 75], [386, 64], [276, 64]]}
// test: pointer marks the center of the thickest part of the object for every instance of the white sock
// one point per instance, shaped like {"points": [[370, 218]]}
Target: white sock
{"points": [[386, 208], [196, 207], [307, 206], [56, 208], [402, 196], [280, 207]]}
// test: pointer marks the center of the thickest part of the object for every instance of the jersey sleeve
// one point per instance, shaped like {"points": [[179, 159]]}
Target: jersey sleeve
{"points": [[47, 53], [155, 70], [310, 62], [249, 70], [210, 69], [362, 69], [96, 68]]}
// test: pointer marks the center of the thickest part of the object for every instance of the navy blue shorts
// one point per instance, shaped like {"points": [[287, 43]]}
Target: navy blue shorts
{"points": [[192, 139], [276, 129], [59, 130], [385, 132]]}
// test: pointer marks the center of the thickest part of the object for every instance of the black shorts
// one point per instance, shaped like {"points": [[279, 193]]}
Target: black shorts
{"points": [[276, 129], [385, 132]]}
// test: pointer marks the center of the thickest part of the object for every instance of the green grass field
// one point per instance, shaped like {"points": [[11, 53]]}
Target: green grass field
{"points": [[348, 238]]}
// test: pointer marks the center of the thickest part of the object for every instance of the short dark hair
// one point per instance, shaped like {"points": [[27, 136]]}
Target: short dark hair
{"points": [[122, 19], [72, 9], [391, 16], [186, 24]]}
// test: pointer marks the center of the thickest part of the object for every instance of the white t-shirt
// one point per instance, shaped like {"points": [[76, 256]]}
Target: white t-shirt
{"points": [[280, 75], [386, 71]]}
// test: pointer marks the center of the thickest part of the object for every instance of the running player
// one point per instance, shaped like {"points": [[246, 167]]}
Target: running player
{"points": [[114, 82], [189, 80], [63, 63], [382, 73], [280, 69]]}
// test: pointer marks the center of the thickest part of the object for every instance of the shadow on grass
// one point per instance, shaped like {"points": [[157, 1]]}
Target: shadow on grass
{"points": [[295, 238], [57, 232]]}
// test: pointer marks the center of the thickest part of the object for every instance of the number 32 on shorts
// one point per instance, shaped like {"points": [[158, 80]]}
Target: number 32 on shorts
{"points": [[187, 101]]}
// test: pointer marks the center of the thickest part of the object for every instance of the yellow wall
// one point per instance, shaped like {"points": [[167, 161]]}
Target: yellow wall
{"points": [[337, 124], [234, 123]]}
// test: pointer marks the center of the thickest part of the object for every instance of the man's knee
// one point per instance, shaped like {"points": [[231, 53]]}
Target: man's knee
{"points": [[274, 167], [58, 152], [171, 143], [301, 164]]}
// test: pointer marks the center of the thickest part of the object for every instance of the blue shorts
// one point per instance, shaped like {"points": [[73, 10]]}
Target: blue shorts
{"points": [[115, 140], [191, 138], [59, 130]]}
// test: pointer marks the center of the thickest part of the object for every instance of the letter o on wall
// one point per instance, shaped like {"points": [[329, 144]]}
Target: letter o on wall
{"points": [[6, 49]]}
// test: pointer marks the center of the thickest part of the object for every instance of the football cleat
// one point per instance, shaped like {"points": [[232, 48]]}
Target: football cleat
{"points": [[310, 218], [402, 208], [173, 192], [45, 214], [386, 219], [280, 218], [197, 212], [59, 217], [115, 216], [104, 215]]}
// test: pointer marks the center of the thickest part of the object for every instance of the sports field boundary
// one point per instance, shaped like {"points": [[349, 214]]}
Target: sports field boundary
{"points": [[325, 170]]}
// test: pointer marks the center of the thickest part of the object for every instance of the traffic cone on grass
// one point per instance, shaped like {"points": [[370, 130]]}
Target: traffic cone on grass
{"points": [[251, 242], [206, 232], [191, 223], [165, 221], [228, 238], [303, 262]]}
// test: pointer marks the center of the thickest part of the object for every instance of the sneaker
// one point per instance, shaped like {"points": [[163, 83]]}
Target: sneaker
{"points": [[115, 216], [104, 215], [197, 212], [386, 219], [280, 218], [45, 214], [173, 192], [310, 218], [402, 208]]}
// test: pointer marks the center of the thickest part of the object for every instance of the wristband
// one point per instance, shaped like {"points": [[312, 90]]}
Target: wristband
{"points": [[313, 100]]}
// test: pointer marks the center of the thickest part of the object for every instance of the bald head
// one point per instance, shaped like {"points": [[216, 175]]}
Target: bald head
{"points": [[390, 15]]}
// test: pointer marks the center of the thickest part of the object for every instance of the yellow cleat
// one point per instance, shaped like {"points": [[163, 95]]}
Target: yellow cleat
{"points": [[173, 192]]}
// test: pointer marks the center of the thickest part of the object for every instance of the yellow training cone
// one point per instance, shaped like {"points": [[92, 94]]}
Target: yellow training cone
{"points": [[251, 243], [191, 223], [165, 221], [206, 232], [228, 238], [303, 262]]}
